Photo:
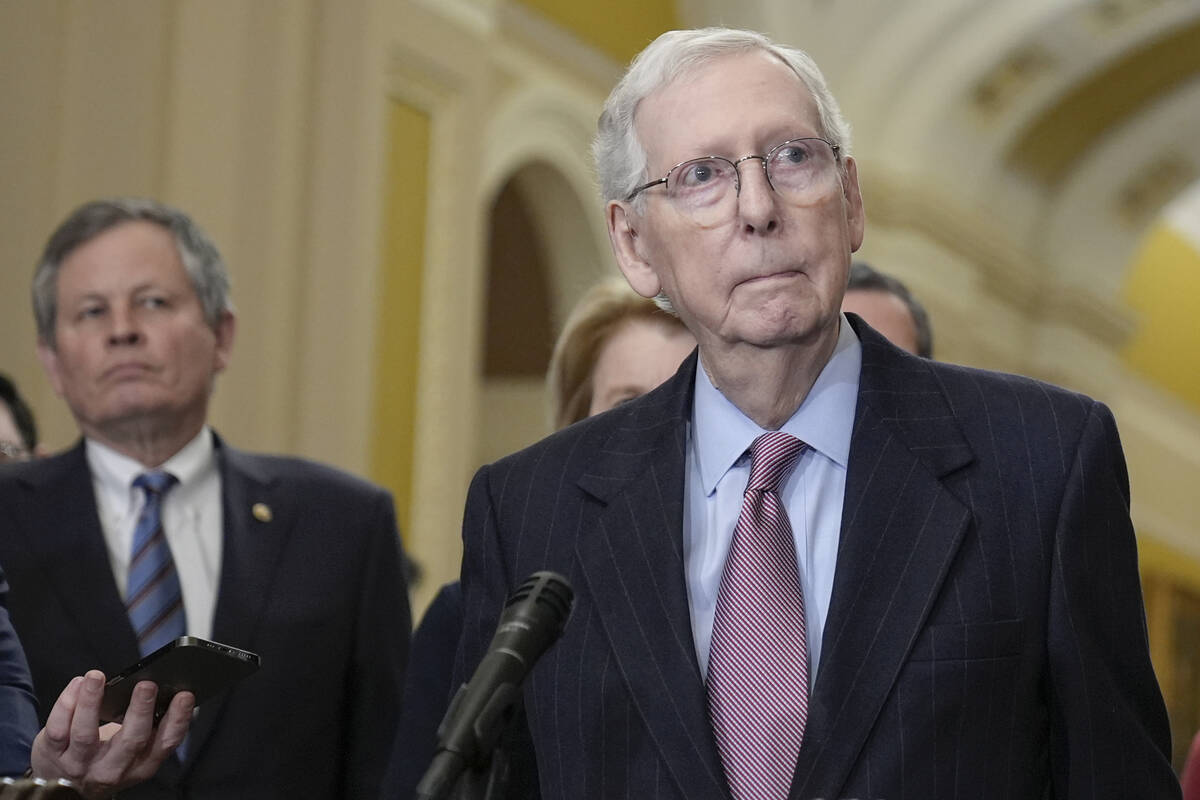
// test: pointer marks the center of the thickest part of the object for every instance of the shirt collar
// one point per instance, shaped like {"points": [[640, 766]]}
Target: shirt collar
{"points": [[113, 472], [721, 433]]}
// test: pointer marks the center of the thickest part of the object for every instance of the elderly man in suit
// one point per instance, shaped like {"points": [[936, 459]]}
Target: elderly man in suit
{"points": [[153, 526], [810, 565]]}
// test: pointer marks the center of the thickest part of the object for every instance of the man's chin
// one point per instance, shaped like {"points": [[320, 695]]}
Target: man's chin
{"points": [[787, 329], [133, 415]]}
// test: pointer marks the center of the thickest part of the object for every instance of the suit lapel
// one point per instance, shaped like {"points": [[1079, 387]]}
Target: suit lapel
{"points": [[632, 563], [900, 530], [69, 547], [257, 520]]}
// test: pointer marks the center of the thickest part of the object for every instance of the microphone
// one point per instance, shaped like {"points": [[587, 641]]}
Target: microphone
{"points": [[532, 620]]}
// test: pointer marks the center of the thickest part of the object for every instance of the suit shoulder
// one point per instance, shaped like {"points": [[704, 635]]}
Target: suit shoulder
{"points": [[554, 452], [578, 444], [302, 474], [43, 470], [963, 381]]}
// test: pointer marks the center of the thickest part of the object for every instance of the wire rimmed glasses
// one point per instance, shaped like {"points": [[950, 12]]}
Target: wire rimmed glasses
{"points": [[706, 188]]}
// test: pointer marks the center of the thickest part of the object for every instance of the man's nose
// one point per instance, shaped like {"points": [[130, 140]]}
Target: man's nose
{"points": [[124, 330], [758, 204]]}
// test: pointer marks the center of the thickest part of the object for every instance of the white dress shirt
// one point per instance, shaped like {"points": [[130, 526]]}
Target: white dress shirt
{"points": [[718, 469], [191, 518]]}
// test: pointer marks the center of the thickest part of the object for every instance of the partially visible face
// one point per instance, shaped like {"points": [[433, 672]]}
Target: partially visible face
{"points": [[636, 358], [774, 273], [132, 345], [12, 443], [886, 313]]}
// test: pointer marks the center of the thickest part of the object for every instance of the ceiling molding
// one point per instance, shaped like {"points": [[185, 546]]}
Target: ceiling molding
{"points": [[1007, 272], [1142, 198], [1051, 144], [558, 45], [1002, 87]]}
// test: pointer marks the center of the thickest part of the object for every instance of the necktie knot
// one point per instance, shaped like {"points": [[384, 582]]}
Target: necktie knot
{"points": [[155, 482], [773, 456]]}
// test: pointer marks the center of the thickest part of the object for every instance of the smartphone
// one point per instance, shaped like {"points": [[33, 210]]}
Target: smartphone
{"points": [[187, 664]]}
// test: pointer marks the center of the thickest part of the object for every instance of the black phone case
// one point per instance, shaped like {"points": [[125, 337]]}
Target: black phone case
{"points": [[188, 663]]}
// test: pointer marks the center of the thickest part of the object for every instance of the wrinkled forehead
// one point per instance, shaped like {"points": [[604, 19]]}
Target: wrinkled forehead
{"points": [[726, 95], [133, 252]]}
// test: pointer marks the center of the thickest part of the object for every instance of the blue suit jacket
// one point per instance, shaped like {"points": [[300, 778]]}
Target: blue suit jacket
{"points": [[986, 634], [316, 590], [18, 715]]}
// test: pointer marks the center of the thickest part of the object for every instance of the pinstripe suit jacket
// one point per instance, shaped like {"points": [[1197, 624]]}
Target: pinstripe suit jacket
{"points": [[985, 638]]}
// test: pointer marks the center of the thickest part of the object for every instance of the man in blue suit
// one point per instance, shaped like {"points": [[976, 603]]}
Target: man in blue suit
{"points": [[292, 560], [810, 565]]}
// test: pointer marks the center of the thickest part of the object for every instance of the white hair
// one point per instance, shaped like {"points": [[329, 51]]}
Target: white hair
{"points": [[621, 162]]}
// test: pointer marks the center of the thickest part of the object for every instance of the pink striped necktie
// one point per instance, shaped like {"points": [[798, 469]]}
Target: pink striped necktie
{"points": [[758, 663]]}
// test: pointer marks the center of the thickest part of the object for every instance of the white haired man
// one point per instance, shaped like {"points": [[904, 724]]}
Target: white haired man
{"points": [[810, 565]]}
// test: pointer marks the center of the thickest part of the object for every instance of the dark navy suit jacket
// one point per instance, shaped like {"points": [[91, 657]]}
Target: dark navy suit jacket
{"points": [[315, 588], [18, 715], [986, 634], [427, 691]]}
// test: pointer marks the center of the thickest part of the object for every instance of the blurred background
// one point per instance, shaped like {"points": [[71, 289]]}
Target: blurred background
{"points": [[403, 192]]}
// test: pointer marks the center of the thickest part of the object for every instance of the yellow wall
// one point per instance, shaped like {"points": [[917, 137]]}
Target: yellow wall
{"points": [[619, 28], [1164, 288], [399, 307]]}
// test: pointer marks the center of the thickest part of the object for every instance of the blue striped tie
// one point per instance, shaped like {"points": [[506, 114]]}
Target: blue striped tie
{"points": [[153, 599]]}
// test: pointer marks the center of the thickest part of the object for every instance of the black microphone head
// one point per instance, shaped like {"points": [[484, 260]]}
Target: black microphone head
{"points": [[550, 592], [534, 616]]}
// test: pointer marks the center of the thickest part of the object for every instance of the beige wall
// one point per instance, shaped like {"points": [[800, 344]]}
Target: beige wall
{"points": [[267, 121]]}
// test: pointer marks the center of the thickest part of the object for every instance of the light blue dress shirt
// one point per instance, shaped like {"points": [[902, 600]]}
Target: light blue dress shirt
{"points": [[718, 468]]}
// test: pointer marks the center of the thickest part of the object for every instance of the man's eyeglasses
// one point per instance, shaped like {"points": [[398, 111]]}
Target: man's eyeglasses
{"points": [[13, 452], [706, 189]]}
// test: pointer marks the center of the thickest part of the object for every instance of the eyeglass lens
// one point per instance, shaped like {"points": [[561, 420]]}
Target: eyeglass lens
{"points": [[797, 169]]}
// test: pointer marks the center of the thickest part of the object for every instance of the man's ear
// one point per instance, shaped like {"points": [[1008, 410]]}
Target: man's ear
{"points": [[628, 247], [856, 218], [225, 330], [49, 358]]}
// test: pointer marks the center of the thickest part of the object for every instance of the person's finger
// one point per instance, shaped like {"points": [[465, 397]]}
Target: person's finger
{"points": [[57, 733], [111, 766], [170, 734], [175, 723], [137, 728], [85, 721]]}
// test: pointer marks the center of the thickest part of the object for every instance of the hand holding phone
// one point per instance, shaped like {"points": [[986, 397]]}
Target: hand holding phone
{"points": [[188, 663], [101, 760]]}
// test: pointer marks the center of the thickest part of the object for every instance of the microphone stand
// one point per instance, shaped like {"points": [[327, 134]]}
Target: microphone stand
{"points": [[469, 763], [488, 777], [485, 783]]}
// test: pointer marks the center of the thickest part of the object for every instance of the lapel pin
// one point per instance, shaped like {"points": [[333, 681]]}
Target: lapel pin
{"points": [[261, 512]]}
